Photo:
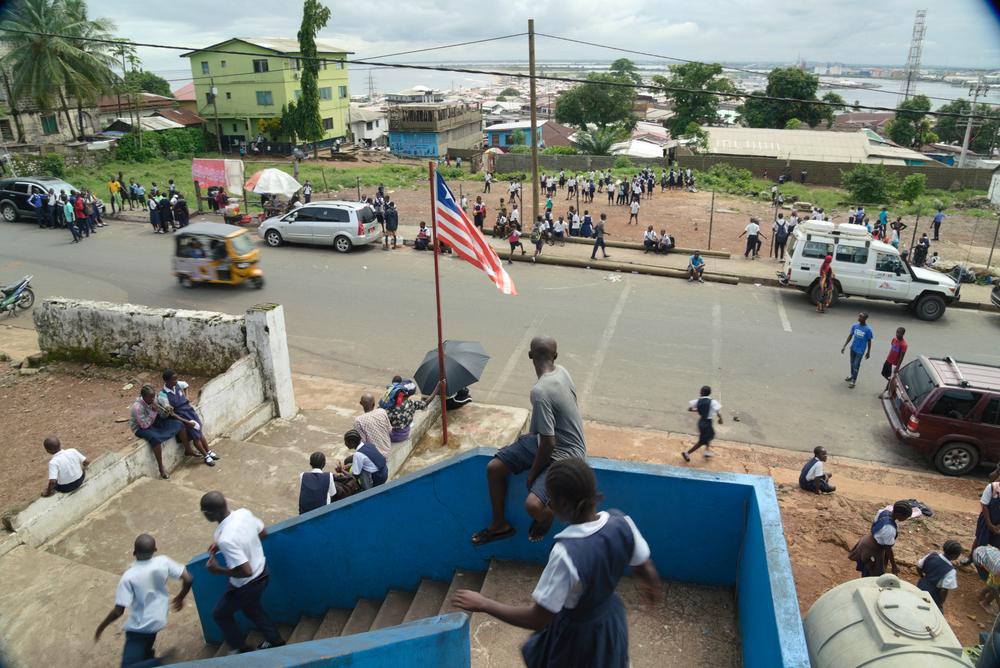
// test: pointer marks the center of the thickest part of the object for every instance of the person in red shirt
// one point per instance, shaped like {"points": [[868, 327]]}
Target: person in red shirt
{"points": [[894, 360], [81, 217]]}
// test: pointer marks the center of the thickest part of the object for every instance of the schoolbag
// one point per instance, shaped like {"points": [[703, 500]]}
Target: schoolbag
{"points": [[781, 234], [397, 393], [704, 406]]}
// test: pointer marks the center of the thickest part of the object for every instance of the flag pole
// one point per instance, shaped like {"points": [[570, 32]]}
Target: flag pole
{"points": [[432, 180]]}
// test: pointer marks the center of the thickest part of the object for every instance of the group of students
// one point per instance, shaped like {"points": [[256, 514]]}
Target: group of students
{"points": [[79, 212], [386, 214], [168, 211]]}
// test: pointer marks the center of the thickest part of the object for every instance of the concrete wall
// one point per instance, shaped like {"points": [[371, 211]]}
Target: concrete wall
{"points": [[822, 173], [442, 642], [700, 527], [232, 404], [199, 342]]}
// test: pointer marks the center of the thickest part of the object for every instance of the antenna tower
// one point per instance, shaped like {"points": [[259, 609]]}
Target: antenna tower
{"points": [[912, 70], [371, 88]]}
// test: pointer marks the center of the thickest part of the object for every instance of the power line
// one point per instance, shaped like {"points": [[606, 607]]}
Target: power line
{"points": [[450, 46], [725, 67], [498, 73]]}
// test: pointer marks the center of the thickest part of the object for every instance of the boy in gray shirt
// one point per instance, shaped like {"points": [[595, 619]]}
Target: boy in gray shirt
{"points": [[556, 432]]}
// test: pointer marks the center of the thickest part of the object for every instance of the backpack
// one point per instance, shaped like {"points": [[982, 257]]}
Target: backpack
{"points": [[397, 393], [781, 234], [704, 407]]}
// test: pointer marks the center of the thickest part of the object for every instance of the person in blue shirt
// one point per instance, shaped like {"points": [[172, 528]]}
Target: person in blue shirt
{"points": [[696, 267], [860, 338], [938, 219]]}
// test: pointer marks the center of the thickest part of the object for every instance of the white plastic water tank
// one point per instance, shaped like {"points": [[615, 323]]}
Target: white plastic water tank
{"points": [[817, 226], [880, 622], [850, 229]]}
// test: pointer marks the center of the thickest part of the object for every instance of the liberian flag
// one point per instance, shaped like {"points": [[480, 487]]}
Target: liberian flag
{"points": [[455, 229]]}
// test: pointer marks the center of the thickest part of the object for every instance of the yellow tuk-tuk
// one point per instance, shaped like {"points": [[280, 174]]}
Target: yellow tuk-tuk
{"points": [[216, 253]]}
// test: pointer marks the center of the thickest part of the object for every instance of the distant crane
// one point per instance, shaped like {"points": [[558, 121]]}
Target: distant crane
{"points": [[912, 70]]}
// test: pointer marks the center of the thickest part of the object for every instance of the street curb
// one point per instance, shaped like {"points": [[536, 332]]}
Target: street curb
{"points": [[603, 265], [631, 245]]}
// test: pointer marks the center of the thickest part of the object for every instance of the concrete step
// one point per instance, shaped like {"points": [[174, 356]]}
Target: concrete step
{"points": [[362, 617], [427, 600], [461, 580], [495, 644], [304, 630], [393, 609], [332, 624]]}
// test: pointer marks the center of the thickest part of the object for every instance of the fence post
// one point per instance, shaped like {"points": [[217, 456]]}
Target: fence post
{"points": [[711, 218], [326, 188], [989, 260]]}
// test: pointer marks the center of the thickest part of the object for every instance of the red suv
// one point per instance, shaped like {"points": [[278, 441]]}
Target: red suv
{"points": [[948, 410]]}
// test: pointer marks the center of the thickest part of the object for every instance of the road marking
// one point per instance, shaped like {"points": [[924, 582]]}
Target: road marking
{"points": [[602, 347], [782, 313], [516, 357], [717, 349]]}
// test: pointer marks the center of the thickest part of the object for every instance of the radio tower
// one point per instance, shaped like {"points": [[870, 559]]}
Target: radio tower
{"points": [[912, 70]]}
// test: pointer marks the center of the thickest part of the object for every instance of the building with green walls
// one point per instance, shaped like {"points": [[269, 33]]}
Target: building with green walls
{"points": [[239, 92]]}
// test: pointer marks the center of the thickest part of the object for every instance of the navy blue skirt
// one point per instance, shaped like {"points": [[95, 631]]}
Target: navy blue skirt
{"points": [[598, 640], [983, 534], [161, 430]]}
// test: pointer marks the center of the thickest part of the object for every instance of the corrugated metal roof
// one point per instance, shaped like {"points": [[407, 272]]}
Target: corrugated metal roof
{"points": [[366, 114], [818, 145], [277, 44], [516, 125]]}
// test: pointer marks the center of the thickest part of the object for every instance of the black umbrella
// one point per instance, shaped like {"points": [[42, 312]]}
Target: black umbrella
{"points": [[464, 362]]}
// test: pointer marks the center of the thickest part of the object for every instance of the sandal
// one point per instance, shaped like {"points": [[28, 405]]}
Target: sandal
{"points": [[486, 536], [535, 532]]}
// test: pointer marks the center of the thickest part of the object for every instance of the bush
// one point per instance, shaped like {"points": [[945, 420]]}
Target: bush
{"points": [[726, 178], [53, 165], [452, 172], [520, 148], [870, 184], [622, 162], [512, 176], [179, 141], [560, 150], [913, 187]]}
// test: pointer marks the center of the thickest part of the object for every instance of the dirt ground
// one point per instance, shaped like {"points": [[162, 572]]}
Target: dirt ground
{"points": [[820, 530], [86, 406], [686, 217]]}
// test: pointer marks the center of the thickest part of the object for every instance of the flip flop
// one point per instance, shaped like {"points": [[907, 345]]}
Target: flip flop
{"points": [[535, 534], [486, 536]]}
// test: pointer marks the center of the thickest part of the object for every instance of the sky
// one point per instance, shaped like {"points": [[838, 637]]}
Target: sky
{"points": [[960, 33]]}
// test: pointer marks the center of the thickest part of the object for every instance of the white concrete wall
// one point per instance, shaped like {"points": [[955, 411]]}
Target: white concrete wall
{"points": [[266, 339], [201, 342], [232, 404]]}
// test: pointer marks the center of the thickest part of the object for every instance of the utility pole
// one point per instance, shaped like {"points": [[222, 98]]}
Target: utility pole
{"points": [[215, 109], [975, 91], [534, 121]]}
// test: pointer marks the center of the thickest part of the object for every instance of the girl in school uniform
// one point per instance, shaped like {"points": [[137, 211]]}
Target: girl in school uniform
{"points": [[578, 619]]}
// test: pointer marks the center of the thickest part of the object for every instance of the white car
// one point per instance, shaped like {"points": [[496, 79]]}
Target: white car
{"points": [[863, 267], [342, 225]]}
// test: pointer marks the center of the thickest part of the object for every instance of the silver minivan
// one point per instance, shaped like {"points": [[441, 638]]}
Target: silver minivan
{"points": [[340, 224]]}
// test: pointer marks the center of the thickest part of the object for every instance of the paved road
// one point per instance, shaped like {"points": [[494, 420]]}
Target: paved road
{"points": [[638, 347]]}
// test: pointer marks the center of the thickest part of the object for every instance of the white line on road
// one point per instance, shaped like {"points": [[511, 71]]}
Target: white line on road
{"points": [[515, 357], [782, 313], [602, 347]]}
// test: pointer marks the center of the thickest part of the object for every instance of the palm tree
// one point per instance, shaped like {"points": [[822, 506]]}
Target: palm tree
{"points": [[596, 142], [45, 69]]}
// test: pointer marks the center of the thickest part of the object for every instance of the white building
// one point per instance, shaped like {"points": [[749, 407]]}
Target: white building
{"points": [[369, 127]]}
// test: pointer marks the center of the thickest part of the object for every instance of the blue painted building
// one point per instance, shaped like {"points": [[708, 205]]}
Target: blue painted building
{"points": [[431, 130], [717, 529]]}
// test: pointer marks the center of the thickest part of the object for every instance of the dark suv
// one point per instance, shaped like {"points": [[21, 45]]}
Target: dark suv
{"points": [[949, 410], [15, 191]]}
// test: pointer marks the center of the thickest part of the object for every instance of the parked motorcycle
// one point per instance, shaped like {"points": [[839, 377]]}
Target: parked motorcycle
{"points": [[17, 296]]}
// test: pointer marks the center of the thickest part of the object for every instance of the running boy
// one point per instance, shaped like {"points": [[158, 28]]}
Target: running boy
{"points": [[707, 408], [514, 239]]}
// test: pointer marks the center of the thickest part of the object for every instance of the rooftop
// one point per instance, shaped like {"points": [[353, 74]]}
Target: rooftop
{"points": [[515, 125], [275, 44], [182, 116], [366, 114], [185, 93], [144, 100], [818, 145]]}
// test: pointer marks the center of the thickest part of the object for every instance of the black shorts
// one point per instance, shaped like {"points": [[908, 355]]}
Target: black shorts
{"points": [[706, 432], [886, 370]]}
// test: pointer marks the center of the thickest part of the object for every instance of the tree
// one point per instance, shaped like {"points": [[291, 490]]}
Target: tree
{"points": [[509, 92], [800, 90], [597, 102], [290, 122], [830, 112], [905, 128], [596, 142], [913, 187], [951, 129], [45, 70], [697, 135], [700, 108], [314, 17], [148, 82], [793, 124], [870, 184], [518, 138], [270, 127], [625, 69]]}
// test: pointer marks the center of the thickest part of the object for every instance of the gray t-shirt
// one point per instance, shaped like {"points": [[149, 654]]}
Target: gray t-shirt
{"points": [[599, 233], [554, 413]]}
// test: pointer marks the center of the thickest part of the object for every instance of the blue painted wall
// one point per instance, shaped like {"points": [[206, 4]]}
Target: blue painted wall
{"points": [[423, 144], [703, 528], [442, 642], [502, 138]]}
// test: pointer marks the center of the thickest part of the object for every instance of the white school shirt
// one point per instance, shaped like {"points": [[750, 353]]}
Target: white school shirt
{"points": [[307, 190], [713, 408], [886, 536], [515, 215], [559, 585], [575, 222], [649, 235], [752, 229], [330, 493], [949, 581], [238, 538], [635, 207], [66, 466], [360, 462], [143, 590], [992, 490], [559, 226], [816, 471]]}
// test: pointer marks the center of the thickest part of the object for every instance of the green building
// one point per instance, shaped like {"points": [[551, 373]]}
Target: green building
{"points": [[236, 93]]}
